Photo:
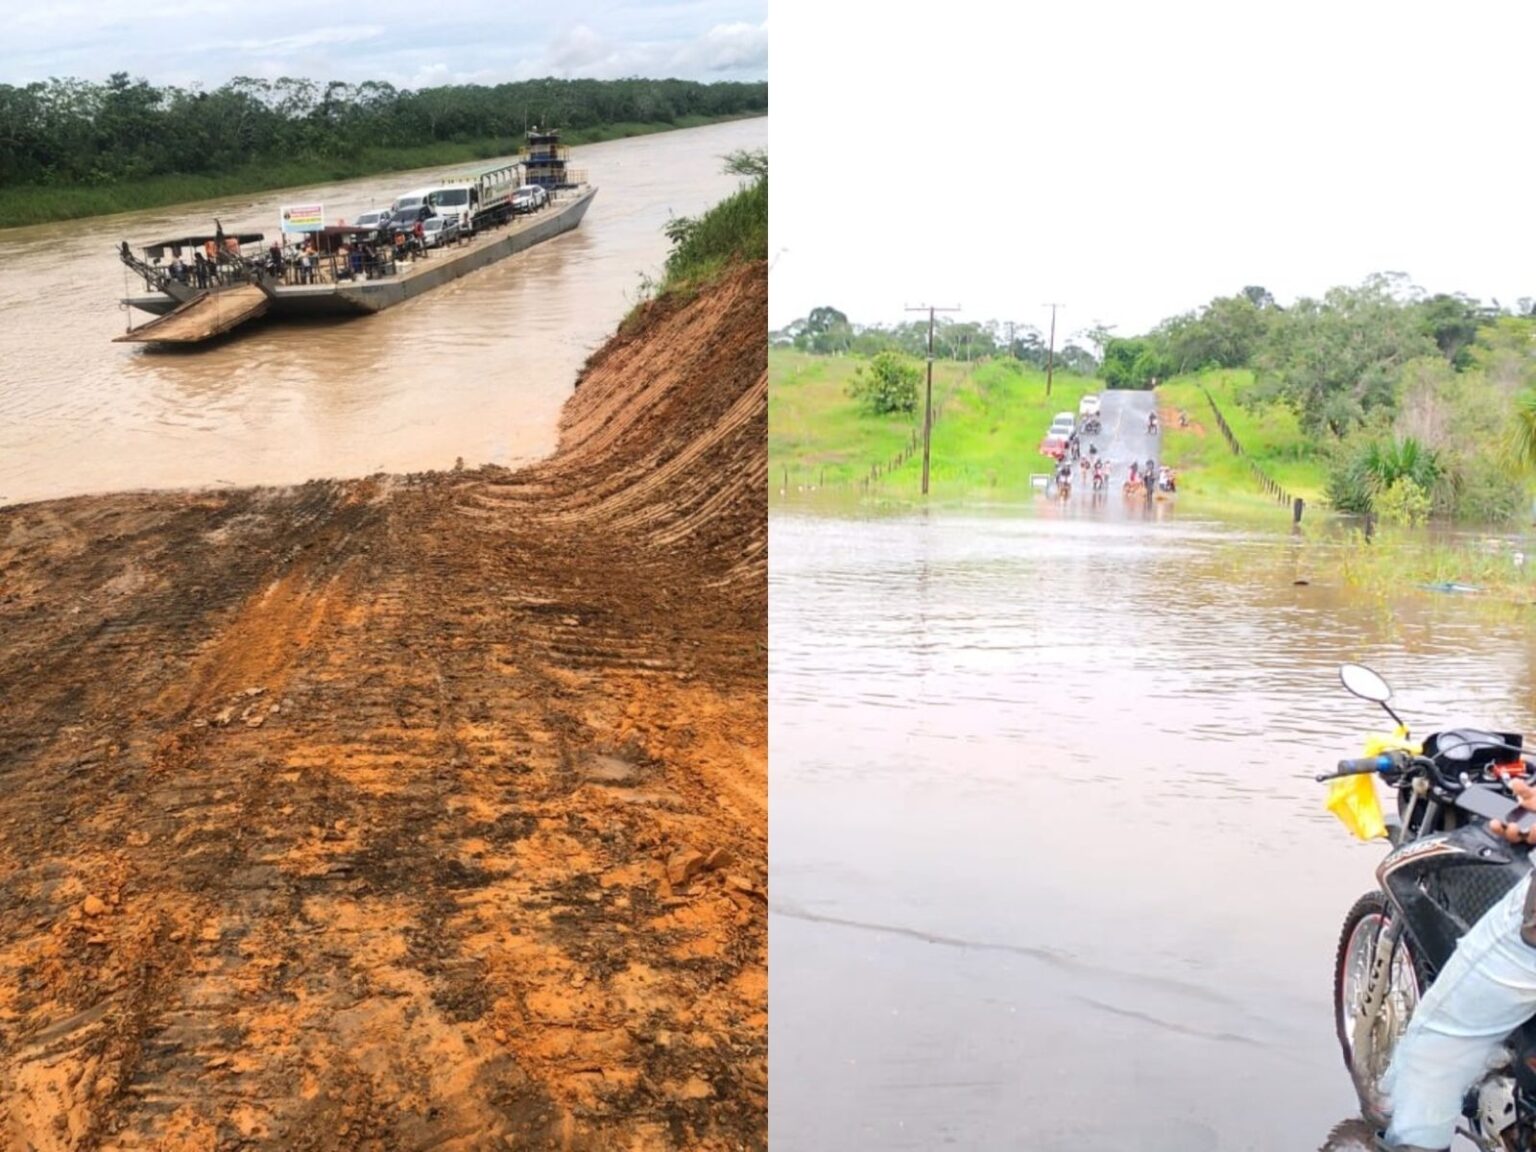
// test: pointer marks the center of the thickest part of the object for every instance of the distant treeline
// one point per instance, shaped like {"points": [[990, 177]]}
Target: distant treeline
{"points": [[828, 332], [74, 133], [1418, 404]]}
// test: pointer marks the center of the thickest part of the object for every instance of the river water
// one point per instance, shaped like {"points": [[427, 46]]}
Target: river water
{"points": [[477, 369], [1049, 868]]}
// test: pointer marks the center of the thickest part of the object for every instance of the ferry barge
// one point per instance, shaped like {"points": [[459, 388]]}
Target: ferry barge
{"points": [[349, 271]]}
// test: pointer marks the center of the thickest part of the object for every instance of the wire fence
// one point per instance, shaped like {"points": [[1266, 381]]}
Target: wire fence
{"points": [[877, 472], [1266, 482]]}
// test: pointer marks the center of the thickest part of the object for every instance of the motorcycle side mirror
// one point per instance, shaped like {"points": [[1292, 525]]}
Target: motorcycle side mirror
{"points": [[1362, 682]]}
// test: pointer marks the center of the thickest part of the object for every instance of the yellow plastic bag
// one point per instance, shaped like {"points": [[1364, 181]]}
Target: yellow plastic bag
{"points": [[1354, 800]]}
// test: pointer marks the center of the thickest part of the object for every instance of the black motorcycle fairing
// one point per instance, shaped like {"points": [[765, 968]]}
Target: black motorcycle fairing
{"points": [[1443, 884], [1472, 748]]}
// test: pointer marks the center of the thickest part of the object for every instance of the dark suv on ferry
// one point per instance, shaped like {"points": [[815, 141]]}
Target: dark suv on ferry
{"points": [[405, 220]]}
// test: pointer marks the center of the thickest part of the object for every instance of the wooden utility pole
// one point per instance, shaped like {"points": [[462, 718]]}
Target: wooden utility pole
{"points": [[928, 402], [1050, 354], [1010, 340]]}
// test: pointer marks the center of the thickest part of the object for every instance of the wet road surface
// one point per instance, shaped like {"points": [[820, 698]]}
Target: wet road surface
{"points": [[1125, 437]]}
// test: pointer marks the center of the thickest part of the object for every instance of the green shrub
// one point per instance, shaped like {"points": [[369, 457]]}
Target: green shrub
{"points": [[1403, 502], [888, 383], [733, 231]]}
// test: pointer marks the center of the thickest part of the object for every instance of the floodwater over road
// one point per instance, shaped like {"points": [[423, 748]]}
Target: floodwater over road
{"points": [[1049, 868], [477, 369]]}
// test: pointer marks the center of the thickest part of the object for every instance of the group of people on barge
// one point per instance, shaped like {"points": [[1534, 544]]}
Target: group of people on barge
{"points": [[369, 255]]}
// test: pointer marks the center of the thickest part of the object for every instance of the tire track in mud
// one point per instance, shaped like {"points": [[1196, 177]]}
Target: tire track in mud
{"points": [[356, 821]]}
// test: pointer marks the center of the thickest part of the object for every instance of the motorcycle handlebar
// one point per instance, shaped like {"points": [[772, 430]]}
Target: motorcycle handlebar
{"points": [[1361, 765]]}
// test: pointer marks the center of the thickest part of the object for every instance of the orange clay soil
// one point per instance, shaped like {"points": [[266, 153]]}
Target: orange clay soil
{"points": [[416, 812]]}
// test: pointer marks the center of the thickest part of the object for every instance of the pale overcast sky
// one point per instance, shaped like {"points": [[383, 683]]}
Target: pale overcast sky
{"points": [[1133, 160], [407, 43]]}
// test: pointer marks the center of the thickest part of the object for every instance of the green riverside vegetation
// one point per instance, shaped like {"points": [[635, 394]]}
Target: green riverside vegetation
{"points": [[69, 148], [733, 231], [704, 247]]}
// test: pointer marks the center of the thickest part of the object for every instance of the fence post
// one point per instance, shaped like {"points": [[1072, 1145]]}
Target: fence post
{"points": [[1296, 509]]}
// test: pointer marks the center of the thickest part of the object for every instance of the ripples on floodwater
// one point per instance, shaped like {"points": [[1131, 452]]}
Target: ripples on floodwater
{"points": [[478, 368], [1049, 866]]}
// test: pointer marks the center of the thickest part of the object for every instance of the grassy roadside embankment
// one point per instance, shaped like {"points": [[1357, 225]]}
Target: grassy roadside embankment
{"points": [[1270, 437], [24, 205], [986, 438]]}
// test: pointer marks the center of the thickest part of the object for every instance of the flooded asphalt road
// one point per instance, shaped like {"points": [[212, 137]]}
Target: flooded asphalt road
{"points": [[1125, 437], [1049, 868], [477, 369]]}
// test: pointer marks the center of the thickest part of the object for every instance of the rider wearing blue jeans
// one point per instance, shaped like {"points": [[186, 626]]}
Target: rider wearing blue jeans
{"points": [[1486, 990]]}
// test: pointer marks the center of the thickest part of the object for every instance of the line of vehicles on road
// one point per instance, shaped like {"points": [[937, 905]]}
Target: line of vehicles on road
{"points": [[459, 206], [1064, 443]]}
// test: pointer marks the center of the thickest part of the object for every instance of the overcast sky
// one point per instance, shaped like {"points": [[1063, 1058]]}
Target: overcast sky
{"points": [[1133, 160], [408, 43]]}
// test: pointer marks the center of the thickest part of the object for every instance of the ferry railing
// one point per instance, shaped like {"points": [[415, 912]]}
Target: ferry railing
{"points": [[155, 277]]}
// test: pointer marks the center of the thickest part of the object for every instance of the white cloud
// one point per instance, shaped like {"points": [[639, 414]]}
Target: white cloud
{"points": [[473, 41], [297, 42], [581, 53], [737, 47], [577, 48]]}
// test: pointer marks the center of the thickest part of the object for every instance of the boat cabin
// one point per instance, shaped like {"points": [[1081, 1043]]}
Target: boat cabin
{"points": [[546, 164]]}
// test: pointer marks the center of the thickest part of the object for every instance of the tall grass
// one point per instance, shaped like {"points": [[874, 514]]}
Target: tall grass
{"points": [[985, 441], [1270, 436], [35, 205], [733, 231], [818, 435], [1393, 560]]}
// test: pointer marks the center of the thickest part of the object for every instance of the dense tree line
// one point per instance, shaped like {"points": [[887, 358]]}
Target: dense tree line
{"points": [[828, 332], [1410, 398], [74, 132]]}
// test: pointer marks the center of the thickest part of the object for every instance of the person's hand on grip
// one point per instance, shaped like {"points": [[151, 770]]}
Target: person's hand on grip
{"points": [[1527, 797]]}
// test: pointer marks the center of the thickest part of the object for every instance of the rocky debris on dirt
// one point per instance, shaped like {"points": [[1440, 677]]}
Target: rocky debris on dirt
{"points": [[683, 865], [686, 864]]}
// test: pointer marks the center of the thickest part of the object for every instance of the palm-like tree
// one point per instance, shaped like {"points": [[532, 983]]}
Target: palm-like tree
{"points": [[1386, 462], [1524, 429]]}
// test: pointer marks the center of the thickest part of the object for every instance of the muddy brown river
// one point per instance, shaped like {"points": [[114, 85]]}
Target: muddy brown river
{"points": [[1049, 868], [477, 369]]}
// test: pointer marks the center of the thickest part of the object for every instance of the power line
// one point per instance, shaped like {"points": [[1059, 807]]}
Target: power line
{"points": [[928, 403]]}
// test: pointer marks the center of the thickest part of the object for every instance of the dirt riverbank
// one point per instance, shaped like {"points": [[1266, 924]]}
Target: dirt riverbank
{"points": [[404, 812]]}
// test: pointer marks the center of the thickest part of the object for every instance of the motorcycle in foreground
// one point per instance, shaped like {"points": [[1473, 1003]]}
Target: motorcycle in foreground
{"points": [[1443, 871]]}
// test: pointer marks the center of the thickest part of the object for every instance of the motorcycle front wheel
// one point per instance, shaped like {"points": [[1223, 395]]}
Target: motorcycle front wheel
{"points": [[1367, 1056]]}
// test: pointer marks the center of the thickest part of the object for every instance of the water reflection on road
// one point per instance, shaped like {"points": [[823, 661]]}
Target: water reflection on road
{"points": [[1049, 866]]}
